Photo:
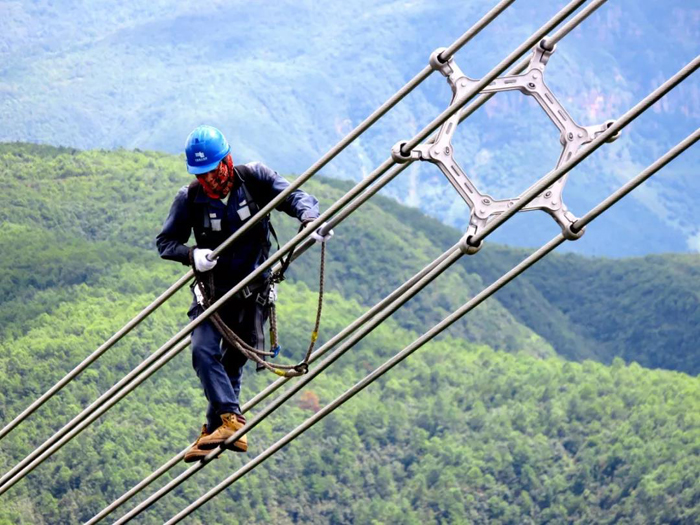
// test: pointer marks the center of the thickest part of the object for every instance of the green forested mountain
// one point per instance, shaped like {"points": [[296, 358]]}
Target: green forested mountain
{"points": [[462, 432], [644, 310], [641, 309]]}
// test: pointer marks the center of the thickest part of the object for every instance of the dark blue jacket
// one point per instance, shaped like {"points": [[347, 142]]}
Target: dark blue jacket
{"points": [[213, 222]]}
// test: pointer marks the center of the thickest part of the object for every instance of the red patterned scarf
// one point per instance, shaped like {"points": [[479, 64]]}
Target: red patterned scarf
{"points": [[219, 182]]}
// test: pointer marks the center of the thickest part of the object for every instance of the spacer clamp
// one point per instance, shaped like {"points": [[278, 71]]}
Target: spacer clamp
{"points": [[546, 46], [544, 50], [397, 153], [437, 63], [615, 136], [571, 234], [467, 248]]}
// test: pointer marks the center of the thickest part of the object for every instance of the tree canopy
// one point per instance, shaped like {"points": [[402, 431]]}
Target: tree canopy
{"points": [[485, 425]]}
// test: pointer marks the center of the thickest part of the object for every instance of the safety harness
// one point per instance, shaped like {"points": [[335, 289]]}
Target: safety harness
{"points": [[205, 283]]}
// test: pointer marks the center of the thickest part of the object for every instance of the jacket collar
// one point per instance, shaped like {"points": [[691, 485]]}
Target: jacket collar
{"points": [[202, 198]]}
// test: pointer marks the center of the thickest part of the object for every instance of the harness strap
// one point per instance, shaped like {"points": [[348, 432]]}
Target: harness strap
{"points": [[206, 287], [250, 201], [254, 205]]}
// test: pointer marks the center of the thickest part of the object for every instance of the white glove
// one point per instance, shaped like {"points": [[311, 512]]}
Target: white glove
{"points": [[322, 238], [201, 263]]}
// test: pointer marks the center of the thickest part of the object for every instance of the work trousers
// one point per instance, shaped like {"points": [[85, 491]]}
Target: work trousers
{"points": [[218, 366]]}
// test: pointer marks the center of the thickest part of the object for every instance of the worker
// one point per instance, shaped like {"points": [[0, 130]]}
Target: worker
{"points": [[221, 199]]}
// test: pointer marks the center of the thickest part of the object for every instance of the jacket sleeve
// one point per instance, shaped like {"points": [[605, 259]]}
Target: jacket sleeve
{"points": [[176, 231], [269, 184]]}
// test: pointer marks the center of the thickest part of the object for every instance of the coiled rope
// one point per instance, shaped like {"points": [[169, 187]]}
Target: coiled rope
{"points": [[205, 283]]}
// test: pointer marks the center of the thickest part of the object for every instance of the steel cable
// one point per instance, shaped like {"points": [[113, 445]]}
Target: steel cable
{"points": [[448, 258], [621, 123], [310, 172], [37, 456], [549, 43], [440, 327], [581, 16], [277, 384], [481, 235], [587, 150], [346, 212]]}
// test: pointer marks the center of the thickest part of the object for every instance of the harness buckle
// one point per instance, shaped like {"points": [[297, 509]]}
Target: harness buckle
{"points": [[261, 299], [245, 292]]}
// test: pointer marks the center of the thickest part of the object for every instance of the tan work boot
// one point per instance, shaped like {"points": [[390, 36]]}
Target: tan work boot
{"points": [[195, 453], [231, 424]]}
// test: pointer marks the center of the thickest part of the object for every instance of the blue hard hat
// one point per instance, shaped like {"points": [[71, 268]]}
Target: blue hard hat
{"points": [[204, 149]]}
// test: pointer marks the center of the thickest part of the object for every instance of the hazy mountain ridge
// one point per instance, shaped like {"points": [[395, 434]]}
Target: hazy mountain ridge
{"points": [[305, 75]]}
